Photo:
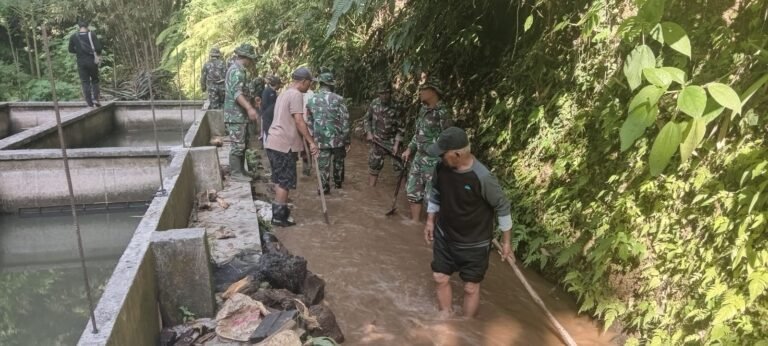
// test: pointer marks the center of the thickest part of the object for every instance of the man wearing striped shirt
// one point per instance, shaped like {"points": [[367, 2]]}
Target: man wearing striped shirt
{"points": [[462, 202]]}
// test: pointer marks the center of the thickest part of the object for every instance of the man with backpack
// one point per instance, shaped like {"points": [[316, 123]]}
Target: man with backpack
{"points": [[87, 48]]}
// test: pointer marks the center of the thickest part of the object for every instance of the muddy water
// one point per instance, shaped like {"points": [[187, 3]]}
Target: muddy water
{"points": [[42, 298], [140, 138], [379, 281]]}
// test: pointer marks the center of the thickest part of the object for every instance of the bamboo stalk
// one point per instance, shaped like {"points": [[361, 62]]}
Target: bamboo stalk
{"points": [[564, 336]]}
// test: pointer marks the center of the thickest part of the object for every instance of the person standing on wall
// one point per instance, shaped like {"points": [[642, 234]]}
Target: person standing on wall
{"points": [[212, 79], [329, 120], [463, 198], [238, 109], [384, 130], [434, 117], [284, 142], [87, 48]]}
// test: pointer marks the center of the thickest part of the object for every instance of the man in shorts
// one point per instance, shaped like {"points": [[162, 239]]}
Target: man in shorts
{"points": [[463, 199], [284, 142]]}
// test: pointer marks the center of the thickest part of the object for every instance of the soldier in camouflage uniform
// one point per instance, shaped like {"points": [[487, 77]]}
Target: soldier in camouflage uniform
{"points": [[434, 117], [384, 126], [329, 120], [238, 109], [212, 79]]}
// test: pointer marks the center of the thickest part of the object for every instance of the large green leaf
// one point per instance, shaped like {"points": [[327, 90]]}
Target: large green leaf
{"points": [[664, 147], [640, 57], [753, 89], [647, 97], [657, 77], [692, 100], [677, 74], [676, 38], [712, 111], [651, 11], [695, 133], [672, 35], [635, 124], [725, 96]]}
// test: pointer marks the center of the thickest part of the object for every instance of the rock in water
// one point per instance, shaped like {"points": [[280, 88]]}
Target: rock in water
{"points": [[313, 288], [284, 271], [328, 325]]}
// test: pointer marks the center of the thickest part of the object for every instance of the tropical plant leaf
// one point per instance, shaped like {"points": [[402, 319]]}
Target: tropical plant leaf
{"points": [[695, 132], [677, 74], [640, 58], [635, 124], [725, 96], [692, 100], [528, 23], [674, 36], [664, 147], [657, 76]]}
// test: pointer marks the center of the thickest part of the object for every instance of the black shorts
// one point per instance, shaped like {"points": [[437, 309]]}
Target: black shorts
{"points": [[470, 262], [283, 168]]}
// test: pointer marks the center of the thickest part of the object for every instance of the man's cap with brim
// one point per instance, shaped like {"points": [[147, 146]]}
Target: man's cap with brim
{"points": [[326, 78], [302, 73], [434, 84], [452, 138], [246, 50]]}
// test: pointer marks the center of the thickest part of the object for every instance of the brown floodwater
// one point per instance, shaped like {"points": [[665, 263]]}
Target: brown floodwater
{"points": [[379, 282]]}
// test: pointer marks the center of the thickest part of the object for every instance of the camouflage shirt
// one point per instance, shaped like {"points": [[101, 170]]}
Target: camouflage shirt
{"points": [[213, 74], [384, 121], [429, 124], [235, 86], [329, 119]]}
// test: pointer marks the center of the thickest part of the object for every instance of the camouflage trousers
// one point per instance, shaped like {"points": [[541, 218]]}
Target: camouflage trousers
{"points": [[331, 157], [420, 176], [215, 97], [376, 156], [238, 137]]}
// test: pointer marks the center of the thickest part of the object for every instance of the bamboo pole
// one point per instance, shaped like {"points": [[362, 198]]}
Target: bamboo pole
{"points": [[564, 336]]}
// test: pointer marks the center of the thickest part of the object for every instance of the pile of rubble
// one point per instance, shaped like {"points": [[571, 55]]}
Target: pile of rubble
{"points": [[273, 300]]}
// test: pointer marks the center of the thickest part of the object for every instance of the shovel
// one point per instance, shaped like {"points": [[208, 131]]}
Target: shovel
{"points": [[319, 182], [397, 189]]}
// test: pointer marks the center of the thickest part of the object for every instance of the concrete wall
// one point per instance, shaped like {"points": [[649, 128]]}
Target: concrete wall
{"points": [[26, 115], [127, 313], [36, 178], [136, 115], [5, 121], [80, 129]]}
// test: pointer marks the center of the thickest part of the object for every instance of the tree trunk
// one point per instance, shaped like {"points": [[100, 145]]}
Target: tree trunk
{"points": [[15, 55], [37, 53], [29, 55]]}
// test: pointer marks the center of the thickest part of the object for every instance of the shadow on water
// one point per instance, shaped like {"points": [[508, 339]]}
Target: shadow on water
{"points": [[379, 280]]}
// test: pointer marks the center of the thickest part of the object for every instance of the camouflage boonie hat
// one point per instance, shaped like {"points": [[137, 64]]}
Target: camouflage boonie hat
{"points": [[246, 50], [326, 78], [434, 84], [215, 52], [384, 87]]}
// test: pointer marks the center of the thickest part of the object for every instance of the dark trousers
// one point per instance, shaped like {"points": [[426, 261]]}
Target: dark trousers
{"points": [[89, 77]]}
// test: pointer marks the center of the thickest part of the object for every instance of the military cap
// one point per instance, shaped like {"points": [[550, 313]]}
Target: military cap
{"points": [[326, 78], [215, 52], [246, 50], [384, 87], [434, 84]]}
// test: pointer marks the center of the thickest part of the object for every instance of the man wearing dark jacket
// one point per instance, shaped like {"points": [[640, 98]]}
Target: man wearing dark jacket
{"points": [[86, 47], [462, 202]]}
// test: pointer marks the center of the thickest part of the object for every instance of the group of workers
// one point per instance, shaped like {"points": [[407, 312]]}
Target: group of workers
{"points": [[460, 193]]}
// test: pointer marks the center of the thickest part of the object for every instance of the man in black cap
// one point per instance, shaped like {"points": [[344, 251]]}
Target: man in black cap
{"points": [[462, 202], [284, 142], [268, 98], [87, 48]]}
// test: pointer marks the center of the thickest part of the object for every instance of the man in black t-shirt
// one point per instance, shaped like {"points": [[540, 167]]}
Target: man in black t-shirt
{"points": [[87, 47], [268, 98], [462, 202]]}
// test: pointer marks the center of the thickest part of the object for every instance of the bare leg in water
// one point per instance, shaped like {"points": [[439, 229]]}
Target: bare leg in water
{"points": [[443, 290], [471, 298]]}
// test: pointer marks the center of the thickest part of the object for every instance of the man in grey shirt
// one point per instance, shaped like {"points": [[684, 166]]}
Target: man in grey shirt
{"points": [[462, 202]]}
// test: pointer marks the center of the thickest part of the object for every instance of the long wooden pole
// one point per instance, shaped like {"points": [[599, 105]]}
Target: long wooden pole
{"points": [[564, 336]]}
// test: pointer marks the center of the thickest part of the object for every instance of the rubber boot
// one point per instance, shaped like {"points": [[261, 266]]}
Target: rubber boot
{"points": [[236, 169], [281, 215], [96, 94]]}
